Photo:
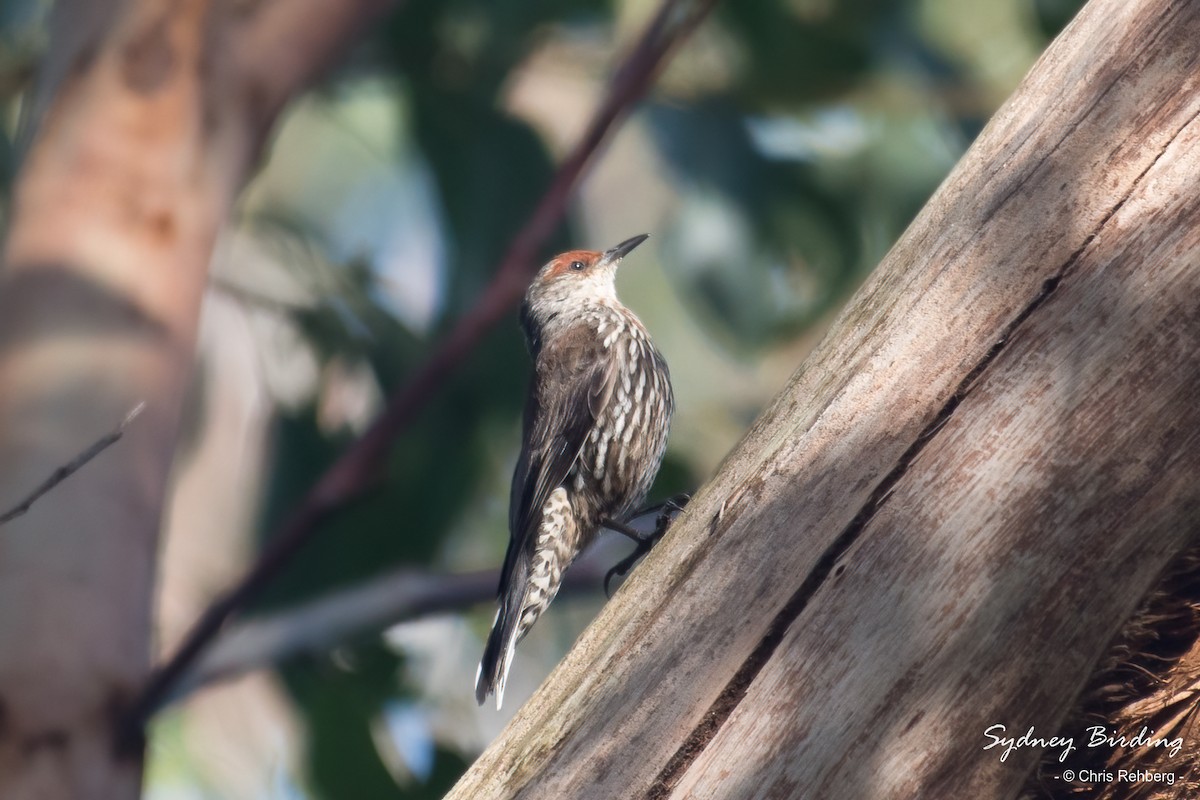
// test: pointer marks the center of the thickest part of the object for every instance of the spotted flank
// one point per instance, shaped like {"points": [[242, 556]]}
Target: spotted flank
{"points": [[555, 549]]}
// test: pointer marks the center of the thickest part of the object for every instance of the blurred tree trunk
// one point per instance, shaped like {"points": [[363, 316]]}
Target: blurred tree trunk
{"points": [[149, 118], [950, 511]]}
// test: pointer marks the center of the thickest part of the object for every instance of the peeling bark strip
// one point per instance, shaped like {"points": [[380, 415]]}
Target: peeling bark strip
{"points": [[1148, 679], [146, 131], [1001, 431]]}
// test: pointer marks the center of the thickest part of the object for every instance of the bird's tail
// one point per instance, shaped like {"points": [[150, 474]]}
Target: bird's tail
{"points": [[498, 653]]}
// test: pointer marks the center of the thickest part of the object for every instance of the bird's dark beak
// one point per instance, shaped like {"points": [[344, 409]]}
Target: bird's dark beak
{"points": [[615, 254]]}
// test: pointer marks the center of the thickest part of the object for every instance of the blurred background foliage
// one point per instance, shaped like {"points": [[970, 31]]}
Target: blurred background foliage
{"points": [[782, 153]]}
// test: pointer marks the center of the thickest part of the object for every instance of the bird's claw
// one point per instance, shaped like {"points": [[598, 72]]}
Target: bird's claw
{"points": [[622, 567], [670, 510]]}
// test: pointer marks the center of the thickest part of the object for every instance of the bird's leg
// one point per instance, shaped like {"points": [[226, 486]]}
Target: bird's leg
{"points": [[644, 542], [669, 510], [625, 530]]}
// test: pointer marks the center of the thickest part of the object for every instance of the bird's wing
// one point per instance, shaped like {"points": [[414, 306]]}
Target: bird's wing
{"points": [[571, 387]]}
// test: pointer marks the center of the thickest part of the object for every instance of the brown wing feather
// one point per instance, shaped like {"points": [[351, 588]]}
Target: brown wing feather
{"points": [[571, 386]]}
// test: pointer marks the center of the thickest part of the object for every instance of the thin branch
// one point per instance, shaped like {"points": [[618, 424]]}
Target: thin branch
{"points": [[322, 624], [358, 469], [71, 467]]}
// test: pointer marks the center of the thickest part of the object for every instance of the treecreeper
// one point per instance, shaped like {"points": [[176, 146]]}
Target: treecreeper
{"points": [[595, 429]]}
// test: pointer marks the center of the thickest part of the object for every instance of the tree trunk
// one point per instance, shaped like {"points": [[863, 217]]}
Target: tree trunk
{"points": [[151, 115], [946, 516]]}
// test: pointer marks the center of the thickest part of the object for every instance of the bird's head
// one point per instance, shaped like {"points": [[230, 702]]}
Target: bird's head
{"points": [[574, 280]]}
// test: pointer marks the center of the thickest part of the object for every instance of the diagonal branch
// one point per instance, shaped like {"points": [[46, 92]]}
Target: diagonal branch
{"points": [[999, 423], [360, 466]]}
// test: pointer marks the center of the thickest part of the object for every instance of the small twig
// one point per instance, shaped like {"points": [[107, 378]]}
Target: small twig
{"points": [[71, 467], [358, 468]]}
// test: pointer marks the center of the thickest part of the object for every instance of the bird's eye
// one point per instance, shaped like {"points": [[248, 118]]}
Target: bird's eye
{"points": [[577, 265]]}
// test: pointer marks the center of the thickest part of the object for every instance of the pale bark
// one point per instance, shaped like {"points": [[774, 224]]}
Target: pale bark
{"points": [[945, 517], [153, 116]]}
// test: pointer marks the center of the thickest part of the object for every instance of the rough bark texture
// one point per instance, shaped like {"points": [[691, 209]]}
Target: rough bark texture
{"points": [[153, 114], [1149, 679], [944, 519]]}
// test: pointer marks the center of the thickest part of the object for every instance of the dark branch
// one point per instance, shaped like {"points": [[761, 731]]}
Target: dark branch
{"points": [[358, 469], [71, 467]]}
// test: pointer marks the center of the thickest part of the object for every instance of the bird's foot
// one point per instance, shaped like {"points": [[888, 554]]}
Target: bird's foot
{"points": [[671, 509], [667, 512]]}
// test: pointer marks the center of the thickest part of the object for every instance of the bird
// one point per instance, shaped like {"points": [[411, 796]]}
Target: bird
{"points": [[597, 415]]}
